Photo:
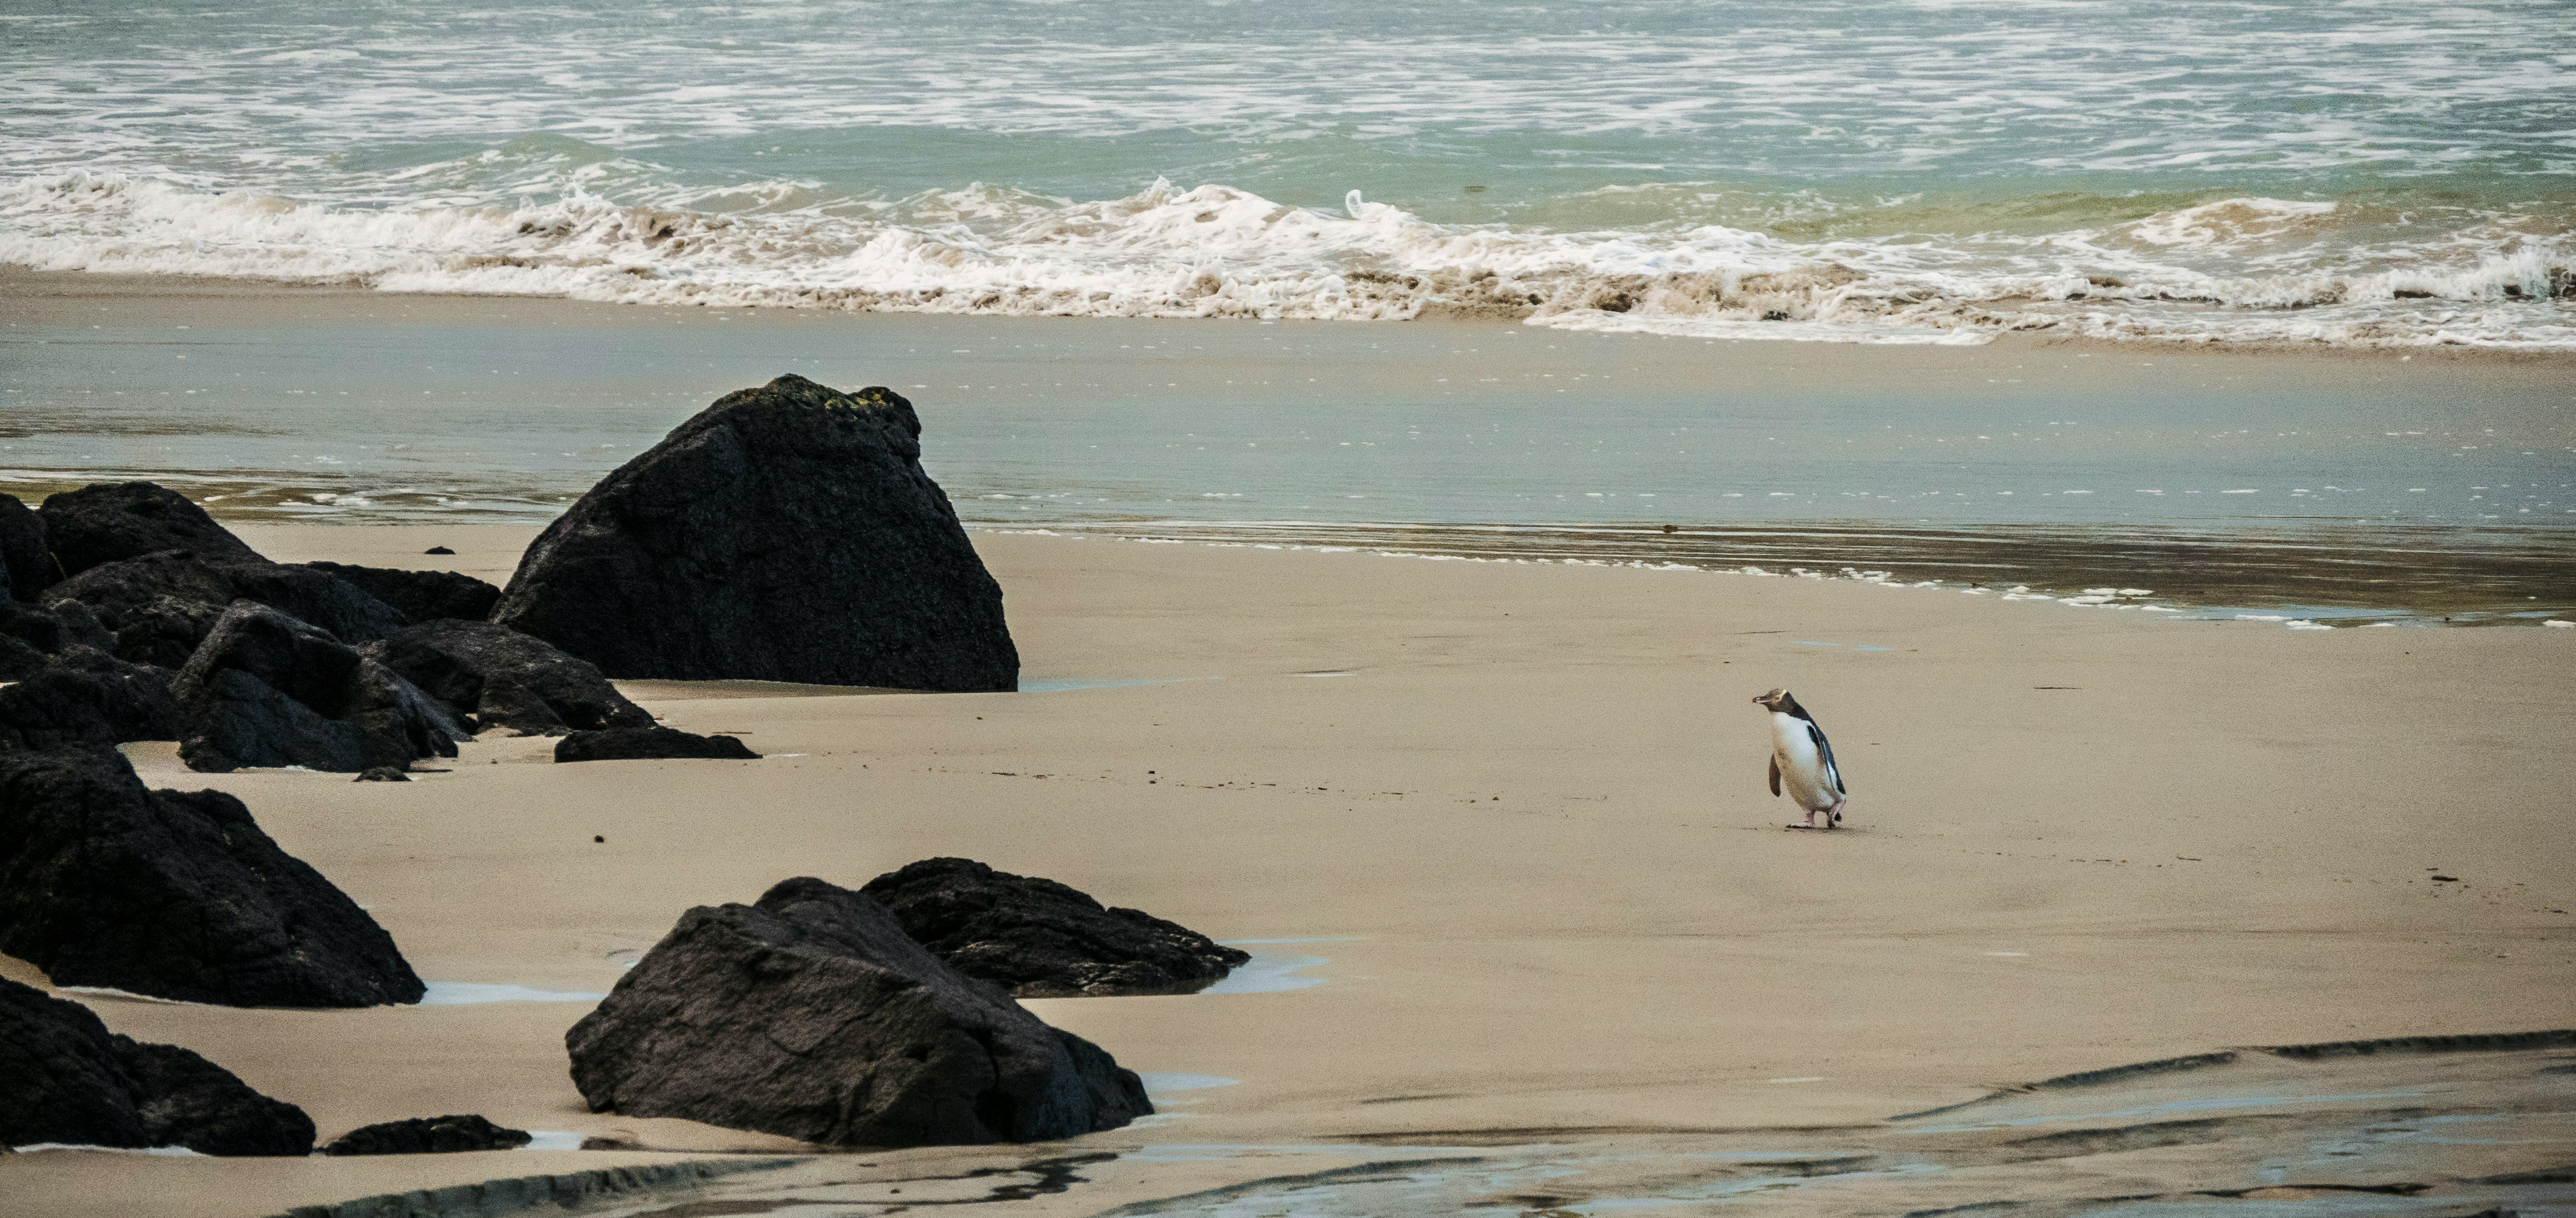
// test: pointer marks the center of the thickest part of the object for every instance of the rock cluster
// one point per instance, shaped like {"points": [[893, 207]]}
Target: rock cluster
{"points": [[265, 689], [162, 605], [649, 743], [65, 1079], [105, 882], [427, 1136], [1041, 939], [810, 1014], [786, 533]]}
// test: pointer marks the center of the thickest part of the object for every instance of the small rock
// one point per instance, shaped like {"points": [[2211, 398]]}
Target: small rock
{"points": [[109, 522], [813, 1016], [381, 773], [785, 533], [649, 743], [267, 690], [176, 894], [422, 596], [427, 1136], [65, 1078], [1041, 939], [506, 679], [438, 550]]}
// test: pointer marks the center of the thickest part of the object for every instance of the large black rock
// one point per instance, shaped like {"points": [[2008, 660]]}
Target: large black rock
{"points": [[26, 562], [421, 596], [1041, 939], [427, 1136], [176, 894], [267, 690], [506, 679], [787, 533], [64, 1078], [812, 1015], [111, 521], [648, 744], [83, 696], [161, 605]]}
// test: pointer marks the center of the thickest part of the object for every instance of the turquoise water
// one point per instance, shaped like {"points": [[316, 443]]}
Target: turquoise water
{"points": [[2373, 172]]}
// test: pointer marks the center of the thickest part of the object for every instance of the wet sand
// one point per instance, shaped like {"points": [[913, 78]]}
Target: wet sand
{"points": [[1529, 834]]}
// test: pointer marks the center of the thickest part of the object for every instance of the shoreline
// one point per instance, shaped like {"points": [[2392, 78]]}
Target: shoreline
{"points": [[19, 279], [2484, 586]]}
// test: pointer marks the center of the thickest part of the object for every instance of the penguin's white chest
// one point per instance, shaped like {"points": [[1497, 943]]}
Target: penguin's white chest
{"points": [[1803, 774]]}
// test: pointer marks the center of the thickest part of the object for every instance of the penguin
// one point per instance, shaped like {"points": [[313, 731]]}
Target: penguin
{"points": [[1803, 760]]}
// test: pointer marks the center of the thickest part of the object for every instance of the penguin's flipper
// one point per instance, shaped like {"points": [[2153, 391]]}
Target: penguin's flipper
{"points": [[1775, 775], [1825, 753]]}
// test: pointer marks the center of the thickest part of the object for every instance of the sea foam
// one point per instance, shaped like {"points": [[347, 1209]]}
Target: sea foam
{"points": [[2242, 269]]}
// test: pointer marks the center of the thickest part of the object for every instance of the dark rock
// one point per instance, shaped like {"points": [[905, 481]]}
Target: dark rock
{"points": [[26, 562], [438, 550], [59, 1076], [381, 773], [176, 894], [85, 697], [267, 690], [162, 605], [421, 596], [81, 626], [812, 1015], [648, 743], [506, 679], [312, 595], [188, 1101], [112, 521], [65, 1078], [427, 1136], [28, 638], [786, 533], [1041, 939], [18, 660]]}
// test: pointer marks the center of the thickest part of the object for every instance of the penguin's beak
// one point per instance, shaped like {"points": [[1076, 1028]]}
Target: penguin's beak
{"points": [[1762, 699]]}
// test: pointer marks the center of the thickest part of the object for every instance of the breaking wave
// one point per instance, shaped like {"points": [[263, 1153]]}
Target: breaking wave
{"points": [[2348, 272]]}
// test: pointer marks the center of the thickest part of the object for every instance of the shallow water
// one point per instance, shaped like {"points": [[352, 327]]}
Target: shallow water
{"points": [[2217, 483], [1270, 973]]}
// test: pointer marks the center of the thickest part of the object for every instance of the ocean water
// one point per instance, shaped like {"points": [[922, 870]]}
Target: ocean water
{"points": [[2361, 173]]}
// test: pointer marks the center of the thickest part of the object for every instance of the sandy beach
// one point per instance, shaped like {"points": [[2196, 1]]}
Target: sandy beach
{"points": [[1386, 453], [1517, 811]]}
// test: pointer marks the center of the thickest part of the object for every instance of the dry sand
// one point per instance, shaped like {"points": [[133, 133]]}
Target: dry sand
{"points": [[1530, 830]]}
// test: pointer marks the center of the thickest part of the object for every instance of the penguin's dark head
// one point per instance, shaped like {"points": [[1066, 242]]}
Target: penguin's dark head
{"points": [[1778, 701]]}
